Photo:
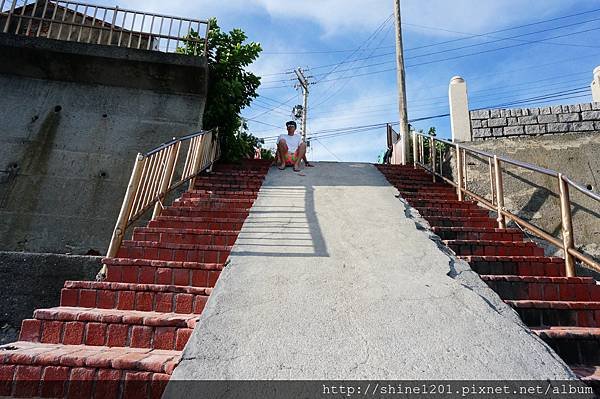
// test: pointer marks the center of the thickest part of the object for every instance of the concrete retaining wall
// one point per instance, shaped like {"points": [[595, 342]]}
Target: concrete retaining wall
{"points": [[495, 123], [33, 281], [73, 118]]}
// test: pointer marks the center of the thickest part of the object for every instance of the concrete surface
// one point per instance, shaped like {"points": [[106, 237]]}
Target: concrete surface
{"points": [[533, 196], [74, 116], [33, 281], [332, 277], [460, 118]]}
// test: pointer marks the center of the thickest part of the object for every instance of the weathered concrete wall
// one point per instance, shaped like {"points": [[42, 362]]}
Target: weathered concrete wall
{"points": [[534, 196], [495, 123], [73, 117], [32, 281]]}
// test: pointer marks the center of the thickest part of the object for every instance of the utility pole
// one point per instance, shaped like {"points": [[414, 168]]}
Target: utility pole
{"points": [[304, 85], [404, 129]]}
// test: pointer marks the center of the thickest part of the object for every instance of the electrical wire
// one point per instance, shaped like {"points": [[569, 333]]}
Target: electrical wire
{"points": [[470, 36]]}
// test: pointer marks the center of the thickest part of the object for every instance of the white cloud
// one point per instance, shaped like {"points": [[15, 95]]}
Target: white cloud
{"points": [[337, 17]]}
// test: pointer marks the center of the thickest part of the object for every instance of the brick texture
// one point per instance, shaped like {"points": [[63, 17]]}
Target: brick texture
{"points": [[578, 118]]}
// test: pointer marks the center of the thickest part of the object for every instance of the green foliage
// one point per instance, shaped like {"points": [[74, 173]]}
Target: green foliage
{"points": [[230, 87], [439, 146], [267, 154]]}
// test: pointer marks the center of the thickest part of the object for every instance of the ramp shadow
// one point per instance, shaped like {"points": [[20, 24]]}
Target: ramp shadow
{"points": [[284, 222]]}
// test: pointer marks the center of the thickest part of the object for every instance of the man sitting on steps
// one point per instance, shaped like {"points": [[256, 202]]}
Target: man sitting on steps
{"points": [[291, 150]]}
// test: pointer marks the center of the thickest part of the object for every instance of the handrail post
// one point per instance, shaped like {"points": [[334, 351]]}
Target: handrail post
{"points": [[422, 149], [567, 226], [123, 219], [214, 145], [198, 159], [167, 178], [499, 193], [9, 14], [465, 169], [206, 38], [414, 147], [112, 25], [491, 174], [432, 156], [459, 172]]}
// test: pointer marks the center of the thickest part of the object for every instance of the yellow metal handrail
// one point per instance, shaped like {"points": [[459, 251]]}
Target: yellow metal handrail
{"points": [[152, 179], [495, 162]]}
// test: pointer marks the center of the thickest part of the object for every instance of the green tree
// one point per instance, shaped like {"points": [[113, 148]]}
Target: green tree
{"points": [[231, 87]]}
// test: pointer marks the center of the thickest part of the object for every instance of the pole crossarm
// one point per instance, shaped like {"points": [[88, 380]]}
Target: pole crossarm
{"points": [[304, 84]]}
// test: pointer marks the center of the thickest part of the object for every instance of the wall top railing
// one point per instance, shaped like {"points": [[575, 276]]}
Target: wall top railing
{"points": [[112, 26], [430, 156]]}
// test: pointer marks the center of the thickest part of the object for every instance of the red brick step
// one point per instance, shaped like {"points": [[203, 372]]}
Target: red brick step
{"points": [[197, 212], [185, 236], [142, 297], [443, 204], [30, 369], [210, 223], [214, 203], [146, 271], [175, 252], [108, 327], [538, 288], [462, 221], [463, 213], [575, 345], [478, 233], [494, 248], [557, 313], [517, 265]]}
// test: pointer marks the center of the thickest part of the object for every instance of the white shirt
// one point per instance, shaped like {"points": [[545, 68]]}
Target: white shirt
{"points": [[293, 142]]}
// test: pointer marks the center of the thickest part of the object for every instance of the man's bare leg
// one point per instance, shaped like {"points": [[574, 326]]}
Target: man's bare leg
{"points": [[301, 156], [308, 164], [282, 152]]}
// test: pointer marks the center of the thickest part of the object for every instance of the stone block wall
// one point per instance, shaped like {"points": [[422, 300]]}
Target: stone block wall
{"points": [[498, 123]]}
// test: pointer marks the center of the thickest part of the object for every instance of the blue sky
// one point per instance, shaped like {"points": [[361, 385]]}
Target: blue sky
{"points": [[315, 33]]}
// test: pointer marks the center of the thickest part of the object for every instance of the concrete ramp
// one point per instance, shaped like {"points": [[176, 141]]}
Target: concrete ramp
{"points": [[331, 279]]}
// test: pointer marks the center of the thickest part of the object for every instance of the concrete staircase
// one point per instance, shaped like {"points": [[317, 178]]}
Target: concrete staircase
{"points": [[123, 337], [563, 311]]}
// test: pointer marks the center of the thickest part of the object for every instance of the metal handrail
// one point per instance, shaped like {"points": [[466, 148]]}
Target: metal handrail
{"points": [[152, 179], [566, 243], [91, 23]]}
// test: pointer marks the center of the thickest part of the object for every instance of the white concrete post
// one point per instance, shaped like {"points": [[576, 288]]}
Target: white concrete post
{"points": [[460, 118], [596, 86]]}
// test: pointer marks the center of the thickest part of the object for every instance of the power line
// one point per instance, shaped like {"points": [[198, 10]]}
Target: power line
{"points": [[428, 102], [261, 122], [365, 43], [561, 95], [496, 31], [272, 109], [501, 48], [473, 45], [470, 35], [452, 58], [328, 150], [345, 84]]}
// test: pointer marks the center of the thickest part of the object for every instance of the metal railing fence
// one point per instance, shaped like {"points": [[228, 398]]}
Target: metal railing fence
{"points": [[431, 157], [91, 23], [152, 178]]}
